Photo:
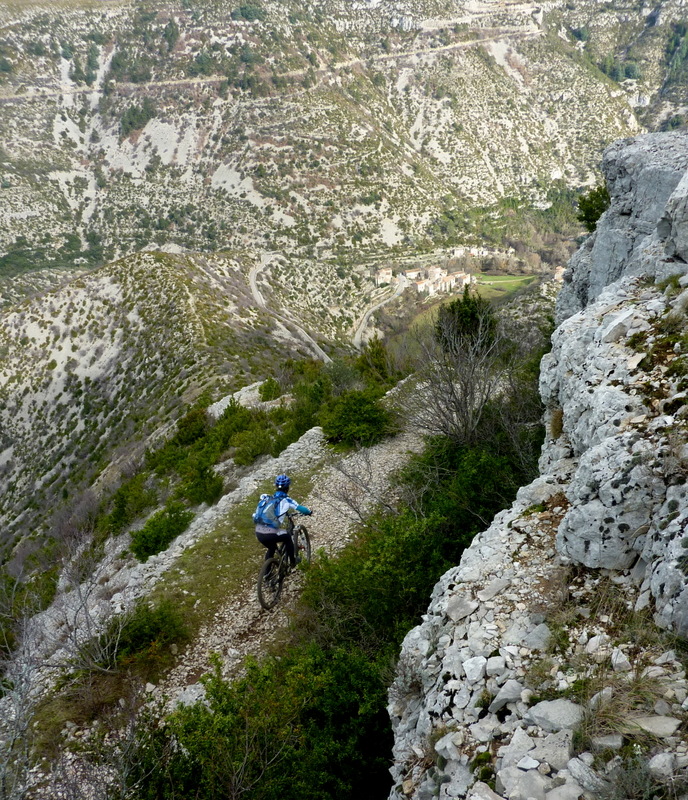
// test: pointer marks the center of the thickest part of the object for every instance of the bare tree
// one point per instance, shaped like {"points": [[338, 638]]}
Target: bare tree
{"points": [[108, 765], [461, 368], [77, 633], [17, 709]]}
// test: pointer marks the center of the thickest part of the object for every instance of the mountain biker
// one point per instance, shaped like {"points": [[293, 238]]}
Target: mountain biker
{"points": [[270, 537]]}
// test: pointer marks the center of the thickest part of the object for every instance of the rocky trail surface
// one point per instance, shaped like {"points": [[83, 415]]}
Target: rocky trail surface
{"points": [[342, 491]]}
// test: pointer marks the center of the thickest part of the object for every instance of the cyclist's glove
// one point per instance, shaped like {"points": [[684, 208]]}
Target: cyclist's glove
{"points": [[304, 510]]}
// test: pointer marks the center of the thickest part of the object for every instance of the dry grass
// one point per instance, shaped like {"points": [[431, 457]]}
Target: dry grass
{"points": [[633, 694], [629, 694], [556, 423]]}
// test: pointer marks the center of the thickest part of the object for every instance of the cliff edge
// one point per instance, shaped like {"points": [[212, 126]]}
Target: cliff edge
{"points": [[546, 666]]}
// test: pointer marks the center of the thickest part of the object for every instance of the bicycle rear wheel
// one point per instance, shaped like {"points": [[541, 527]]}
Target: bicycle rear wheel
{"points": [[270, 581], [303, 543]]}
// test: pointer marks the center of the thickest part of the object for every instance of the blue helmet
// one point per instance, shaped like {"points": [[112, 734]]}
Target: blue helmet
{"points": [[283, 482]]}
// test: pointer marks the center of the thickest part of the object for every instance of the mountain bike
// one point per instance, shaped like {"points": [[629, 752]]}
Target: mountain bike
{"points": [[274, 570]]}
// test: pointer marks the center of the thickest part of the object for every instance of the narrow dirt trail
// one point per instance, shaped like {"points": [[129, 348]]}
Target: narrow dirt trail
{"points": [[495, 34], [241, 627]]}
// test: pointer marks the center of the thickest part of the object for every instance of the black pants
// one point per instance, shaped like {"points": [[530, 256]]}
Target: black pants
{"points": [[272, 539]]}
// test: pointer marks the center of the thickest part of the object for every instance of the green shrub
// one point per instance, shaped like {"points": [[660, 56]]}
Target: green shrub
{"points": [[309, 726], [467, 321], [312, 723], [592, 205], [136, 640], [191, 427], [204, 486], [374, 364], [250, 444], [249, 12], [135, 117], [357, 418], [270, 390], [160, 530], [148, 629], [128, 502]]}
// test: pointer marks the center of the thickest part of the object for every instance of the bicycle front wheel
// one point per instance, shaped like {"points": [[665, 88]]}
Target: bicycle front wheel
{"points": [[270, 583], [303, 543]]}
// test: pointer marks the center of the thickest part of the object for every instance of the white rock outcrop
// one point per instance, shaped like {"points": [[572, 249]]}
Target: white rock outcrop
{"points": [[491, 685]]}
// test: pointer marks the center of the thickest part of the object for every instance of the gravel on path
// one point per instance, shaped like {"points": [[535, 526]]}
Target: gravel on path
{"points": [[341, 493]]}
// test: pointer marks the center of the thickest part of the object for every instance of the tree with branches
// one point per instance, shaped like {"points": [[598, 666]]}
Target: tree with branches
{"points": [[474, 369]]}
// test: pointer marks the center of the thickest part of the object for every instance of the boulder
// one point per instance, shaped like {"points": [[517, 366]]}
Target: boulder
{"points": [[509, 693], [481, 791], [554, 749], [555, 715], [519, 745], [516, 784], [662, 727]]}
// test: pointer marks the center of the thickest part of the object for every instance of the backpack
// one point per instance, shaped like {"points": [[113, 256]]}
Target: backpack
{"points": [[266, 513]]}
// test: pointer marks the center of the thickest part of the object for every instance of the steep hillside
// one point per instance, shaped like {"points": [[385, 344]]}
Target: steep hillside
{"points": [[548, 664], [92, 369], [331, 134]]}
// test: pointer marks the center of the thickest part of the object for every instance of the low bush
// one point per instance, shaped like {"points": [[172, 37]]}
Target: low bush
{"points": [[160, 530], [270, 390], [135, 117], [203, 486], [250, 444], [129, 501], [357, 417], [309, 726], [146, 630]]}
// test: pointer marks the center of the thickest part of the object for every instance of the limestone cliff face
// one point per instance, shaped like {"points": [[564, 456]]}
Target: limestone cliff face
{"points": [[611, 497], [615, 378], [635, 235]]}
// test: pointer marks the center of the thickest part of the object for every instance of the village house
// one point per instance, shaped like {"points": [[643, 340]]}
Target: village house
{"points": [[425, 286], [383, 275], [444, 282], [435, 273]]}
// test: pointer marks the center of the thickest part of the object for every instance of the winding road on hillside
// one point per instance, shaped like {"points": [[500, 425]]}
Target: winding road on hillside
{"points": [[307, 339], [357, 338]]}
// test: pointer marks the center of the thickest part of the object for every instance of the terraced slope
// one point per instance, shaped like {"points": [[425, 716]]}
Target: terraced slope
{"points": [[333, 134], [89, 371]]}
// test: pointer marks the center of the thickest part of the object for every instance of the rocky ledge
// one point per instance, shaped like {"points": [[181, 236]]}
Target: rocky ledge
{"points": [[546, 666]]}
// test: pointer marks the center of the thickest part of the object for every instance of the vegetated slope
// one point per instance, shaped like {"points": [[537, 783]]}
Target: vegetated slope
{"points": [[107, 360], [332, 134]]}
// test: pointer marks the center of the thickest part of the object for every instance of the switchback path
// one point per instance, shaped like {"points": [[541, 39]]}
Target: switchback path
{"points": [[357, 338], [266, 258]]}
